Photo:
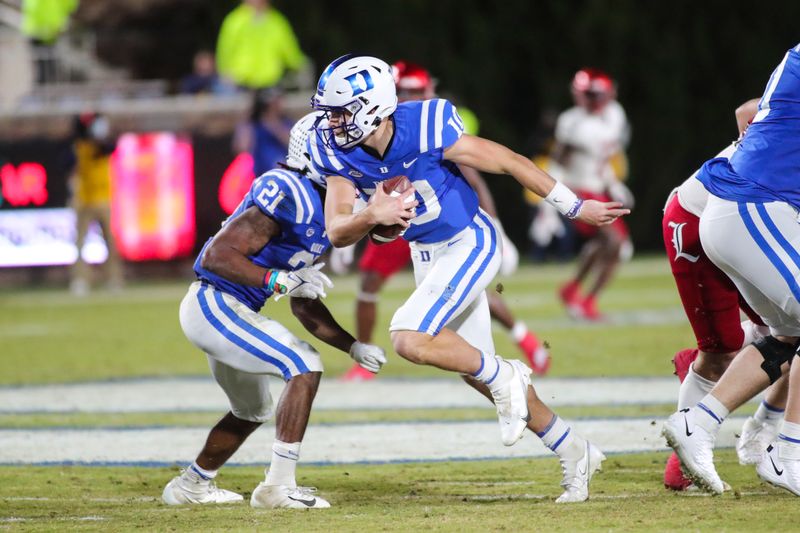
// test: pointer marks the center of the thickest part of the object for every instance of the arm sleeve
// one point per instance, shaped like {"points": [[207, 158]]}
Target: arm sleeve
{"points": [[440, 125]]}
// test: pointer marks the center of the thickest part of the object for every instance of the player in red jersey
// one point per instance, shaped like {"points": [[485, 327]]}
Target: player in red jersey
{"points": [[380, 262], [712, 304]]}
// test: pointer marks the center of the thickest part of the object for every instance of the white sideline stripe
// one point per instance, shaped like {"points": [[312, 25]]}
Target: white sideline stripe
{"points": [[341, 444], [203, 394]]}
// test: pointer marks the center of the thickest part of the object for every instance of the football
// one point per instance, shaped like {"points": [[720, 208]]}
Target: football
{"points": [[381, 234]]}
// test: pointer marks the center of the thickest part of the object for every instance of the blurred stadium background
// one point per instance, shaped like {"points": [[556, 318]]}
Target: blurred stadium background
{"points": [[681, 68]]}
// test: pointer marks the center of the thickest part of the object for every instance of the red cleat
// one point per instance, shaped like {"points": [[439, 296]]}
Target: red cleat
{"points": [[589, 310], [673, 477], [536, 353], [357, 373], [683, 361], [570, 295]]}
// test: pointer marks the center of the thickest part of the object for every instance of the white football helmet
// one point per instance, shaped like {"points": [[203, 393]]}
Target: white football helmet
{"points": [[298, 157], [362, 89]]}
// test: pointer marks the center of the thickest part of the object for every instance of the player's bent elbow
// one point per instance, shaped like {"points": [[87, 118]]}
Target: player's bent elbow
{"points": [[210, 258]]}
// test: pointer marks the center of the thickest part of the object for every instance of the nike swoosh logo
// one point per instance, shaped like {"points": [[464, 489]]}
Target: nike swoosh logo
{"points": [[686, 423], [307, 503], [406, 165], [451, 243], [779, 472]]}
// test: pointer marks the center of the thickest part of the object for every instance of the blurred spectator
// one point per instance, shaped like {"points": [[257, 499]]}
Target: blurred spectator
{"points": [[589, 136], [91, 187], [266, 134], [204, 78], [43, 21], [257, 45]]}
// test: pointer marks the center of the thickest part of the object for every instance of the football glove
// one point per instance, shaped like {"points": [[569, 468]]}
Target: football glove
{"points": [[306, 282], [369, 356]]}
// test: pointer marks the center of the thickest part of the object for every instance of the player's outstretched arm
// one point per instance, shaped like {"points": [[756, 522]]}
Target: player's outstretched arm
{"points": [[317, 319], [489, 156], [345, 227], [228, 254]]}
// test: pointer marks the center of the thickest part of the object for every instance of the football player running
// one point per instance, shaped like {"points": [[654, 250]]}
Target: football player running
{"points": [[454, 245], [266, 247], [380, 262], [749, 230], [588, 136]]}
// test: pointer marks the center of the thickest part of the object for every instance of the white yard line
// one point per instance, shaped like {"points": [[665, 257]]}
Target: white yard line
{"points": [[158, 395], [342, 443]]}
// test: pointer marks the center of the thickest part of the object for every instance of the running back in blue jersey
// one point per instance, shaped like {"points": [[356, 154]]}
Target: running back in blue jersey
{"points": [[422, 132], [766, 165], [294, 203]]}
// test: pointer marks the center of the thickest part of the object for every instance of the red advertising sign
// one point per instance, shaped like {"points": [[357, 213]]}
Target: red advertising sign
{"points": [[153, 214], [24, 185]]}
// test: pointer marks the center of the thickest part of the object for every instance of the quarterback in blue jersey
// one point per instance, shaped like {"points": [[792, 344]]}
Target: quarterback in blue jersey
{"points": [[266, 247], [369, 138], [749, 229]]}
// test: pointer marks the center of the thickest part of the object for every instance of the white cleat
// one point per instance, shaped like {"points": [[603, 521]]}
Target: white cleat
{"points": [[781, 473], [181, 491], [285, 497], [512, 403], [752, 444], [578, 474], [695, 448]]}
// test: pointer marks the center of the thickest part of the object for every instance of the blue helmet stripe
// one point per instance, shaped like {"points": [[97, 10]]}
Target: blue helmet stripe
{"points": [[323, 80]]}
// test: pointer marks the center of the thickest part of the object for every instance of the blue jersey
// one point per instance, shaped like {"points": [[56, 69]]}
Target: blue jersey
{"points": [[293, 202], [766, 165], [422, 132]]}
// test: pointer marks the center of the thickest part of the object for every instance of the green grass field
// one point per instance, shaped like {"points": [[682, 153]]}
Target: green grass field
{"points": [[464, 496], [50, 337]]}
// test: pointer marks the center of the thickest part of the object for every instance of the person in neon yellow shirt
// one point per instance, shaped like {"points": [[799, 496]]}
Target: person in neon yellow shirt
{"points": [[256, 45], [44, 20]]}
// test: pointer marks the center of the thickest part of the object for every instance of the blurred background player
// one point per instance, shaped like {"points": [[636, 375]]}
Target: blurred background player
{"points": [[91, 188], [712, 303], [266, 247], [749, 230], [445, 322], [589, 137], [380, 262]]}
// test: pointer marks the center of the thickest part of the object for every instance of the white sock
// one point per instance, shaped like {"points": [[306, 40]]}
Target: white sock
{"points": [[558, 436], [494, 371], [196, 473], [768, 414], [789, 441], [693, 389], [518, 331], [284, 463], [710, 413]]}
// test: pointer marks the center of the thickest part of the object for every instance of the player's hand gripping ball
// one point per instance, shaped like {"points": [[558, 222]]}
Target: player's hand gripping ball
{"points": [[381, 234]]}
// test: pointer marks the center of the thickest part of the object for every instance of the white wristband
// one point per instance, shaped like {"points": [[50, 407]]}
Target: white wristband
{"points": [[563, 199]]}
